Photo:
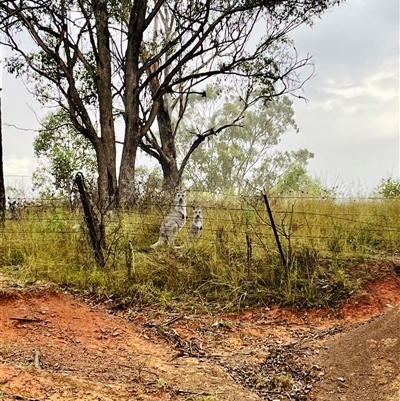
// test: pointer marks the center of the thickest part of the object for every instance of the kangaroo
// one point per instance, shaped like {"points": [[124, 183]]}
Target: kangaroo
{"points": [[173, 222], [196, 228]]}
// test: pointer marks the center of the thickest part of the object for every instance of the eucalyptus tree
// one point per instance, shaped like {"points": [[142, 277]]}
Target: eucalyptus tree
{"points": [[244, 155], [61, 152], [119, 66]]}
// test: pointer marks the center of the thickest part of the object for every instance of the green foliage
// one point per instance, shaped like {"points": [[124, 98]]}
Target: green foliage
{"points": [[61, 152], [389, 188], [124, 64], [296, 180]]}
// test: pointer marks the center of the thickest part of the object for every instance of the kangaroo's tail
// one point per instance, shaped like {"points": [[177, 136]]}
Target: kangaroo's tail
{"points": [[158, 243]]}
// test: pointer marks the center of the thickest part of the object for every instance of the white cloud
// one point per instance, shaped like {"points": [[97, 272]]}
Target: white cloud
{"points": [[381, 85], [351, 122]]}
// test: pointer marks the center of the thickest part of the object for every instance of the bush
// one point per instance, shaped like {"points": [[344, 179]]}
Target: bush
{"points": [[389, 188]]}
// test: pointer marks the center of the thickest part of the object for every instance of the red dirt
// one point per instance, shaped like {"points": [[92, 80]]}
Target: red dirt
{"points": [[88, 352], [363, 364]]}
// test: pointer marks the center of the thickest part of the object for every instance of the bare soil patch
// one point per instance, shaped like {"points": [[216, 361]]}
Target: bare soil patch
{"points": [[364, 363], [54, 346]]}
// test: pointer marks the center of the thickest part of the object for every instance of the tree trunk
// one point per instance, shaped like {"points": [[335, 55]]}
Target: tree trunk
{"points": [[166, 150], [127, 189], [2, 190], [107, 190], [107, 180], [133, 133], [171, 176]]}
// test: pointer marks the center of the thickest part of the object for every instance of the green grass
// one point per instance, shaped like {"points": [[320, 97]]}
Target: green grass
{"points": [[234, 265]]}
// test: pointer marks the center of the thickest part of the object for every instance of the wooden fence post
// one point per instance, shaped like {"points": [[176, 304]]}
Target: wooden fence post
{"points": [[96, 230], [271, 218]]}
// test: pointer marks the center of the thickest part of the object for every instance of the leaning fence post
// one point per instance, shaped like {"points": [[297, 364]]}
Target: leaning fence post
{"points": [[95, 227], [271, 218]]}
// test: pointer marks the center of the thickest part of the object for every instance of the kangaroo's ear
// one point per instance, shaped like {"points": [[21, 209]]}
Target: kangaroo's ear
{"points": [[194, 207]]}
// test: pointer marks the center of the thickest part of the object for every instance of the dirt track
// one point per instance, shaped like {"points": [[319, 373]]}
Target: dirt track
{"points": [[93, 352]]}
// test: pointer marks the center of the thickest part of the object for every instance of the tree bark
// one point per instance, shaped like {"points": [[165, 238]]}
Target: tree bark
{"points": [[169, 165], [2, 189], [166, 150], [132, 103], [107, 181]]}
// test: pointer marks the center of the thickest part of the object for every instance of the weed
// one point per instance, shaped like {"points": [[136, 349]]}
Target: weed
{"points": [[224, 323], [281, 381], [6, 348], [160, 382], [14, 257], [142, 367]]}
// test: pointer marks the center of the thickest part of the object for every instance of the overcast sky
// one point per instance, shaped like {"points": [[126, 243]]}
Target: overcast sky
{"points": [[351, 119]]}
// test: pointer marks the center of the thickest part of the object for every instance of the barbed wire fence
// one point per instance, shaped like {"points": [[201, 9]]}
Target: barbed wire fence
{"points": [[241, 224], [297, 249]]}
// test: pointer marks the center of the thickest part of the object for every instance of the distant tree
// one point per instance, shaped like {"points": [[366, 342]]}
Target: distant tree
{"points": [[106, 62], [62, 152], [245, 153], [296, 180], [388, 188]]}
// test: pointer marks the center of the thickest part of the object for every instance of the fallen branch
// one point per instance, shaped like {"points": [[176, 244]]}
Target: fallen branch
{"points": [[170, 321], [167, 323], [26, 319], [37, 359]]}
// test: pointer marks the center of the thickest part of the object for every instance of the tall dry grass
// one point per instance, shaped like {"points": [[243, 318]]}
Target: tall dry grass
{"points": [[235, 264]]}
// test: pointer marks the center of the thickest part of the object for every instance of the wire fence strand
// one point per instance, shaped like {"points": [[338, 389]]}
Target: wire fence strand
{"points": [[333, 226]]}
